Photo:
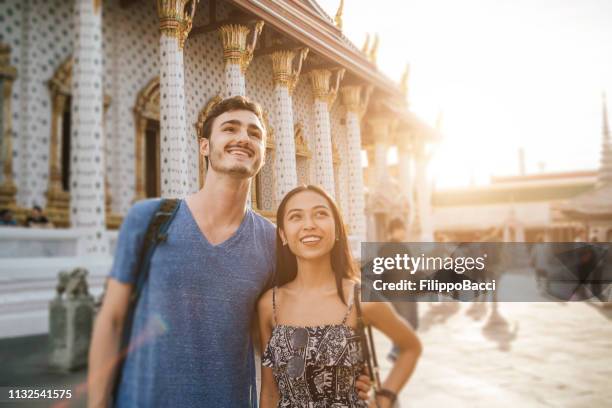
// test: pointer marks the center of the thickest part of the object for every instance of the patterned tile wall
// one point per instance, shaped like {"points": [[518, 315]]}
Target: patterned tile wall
{"points": [[303, 176], [203, 81], [110, 49], [132, 61], [303, 101], [40, 33], [260, 88]]}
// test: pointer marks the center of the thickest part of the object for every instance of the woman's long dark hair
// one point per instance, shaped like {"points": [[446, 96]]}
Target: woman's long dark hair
{"points": [[341, 259]]}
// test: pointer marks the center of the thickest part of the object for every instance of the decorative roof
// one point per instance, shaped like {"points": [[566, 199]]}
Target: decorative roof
{"points": [[316, 9], [545, 177], [308, 24], [593, 204], [507, 194]]}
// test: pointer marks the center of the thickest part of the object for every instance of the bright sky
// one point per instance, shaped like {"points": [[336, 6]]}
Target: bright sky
{"points": [[505, 73]]}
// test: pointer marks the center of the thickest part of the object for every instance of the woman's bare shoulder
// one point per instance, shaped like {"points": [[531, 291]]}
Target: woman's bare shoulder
{"points": [[264, 304]]}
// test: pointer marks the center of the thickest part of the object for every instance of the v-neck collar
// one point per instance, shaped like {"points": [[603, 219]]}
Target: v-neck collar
{"points": [[229, 240]]}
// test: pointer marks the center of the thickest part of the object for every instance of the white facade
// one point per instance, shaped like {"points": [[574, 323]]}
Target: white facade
{"points": [[128, 74]]}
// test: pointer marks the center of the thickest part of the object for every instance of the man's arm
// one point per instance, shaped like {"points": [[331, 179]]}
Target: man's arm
{"points": [[104, 353]]}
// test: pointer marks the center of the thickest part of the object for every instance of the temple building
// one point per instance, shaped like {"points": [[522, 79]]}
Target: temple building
{"points": [[594, 208], [550, 207], [102, 102]]}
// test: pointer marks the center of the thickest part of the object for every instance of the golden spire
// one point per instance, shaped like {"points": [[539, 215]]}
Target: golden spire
{"points": [[366, 44], [338, 18], [404, 80], [373, 53]]}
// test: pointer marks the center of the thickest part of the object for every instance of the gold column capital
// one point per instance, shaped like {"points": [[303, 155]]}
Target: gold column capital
{"points": [[381, 127], [356, 98], [283, 67], [321, 80], [237, 49], [404, 141], [174, 20]]}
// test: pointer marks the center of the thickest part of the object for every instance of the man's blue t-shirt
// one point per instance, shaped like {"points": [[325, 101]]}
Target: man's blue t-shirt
{"points": [[190, 344]]}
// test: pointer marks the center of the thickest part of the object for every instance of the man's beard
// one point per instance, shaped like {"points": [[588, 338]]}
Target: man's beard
{"points": [[244, 171]]}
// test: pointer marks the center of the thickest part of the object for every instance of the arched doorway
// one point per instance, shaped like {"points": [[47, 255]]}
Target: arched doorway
{"points": [[146, 120]]}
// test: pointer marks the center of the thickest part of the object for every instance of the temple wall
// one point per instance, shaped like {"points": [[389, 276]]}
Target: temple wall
{"points": [[41, 36], [260, 88], [203, 81], [131, 62], [39, 33], [11, 32]]}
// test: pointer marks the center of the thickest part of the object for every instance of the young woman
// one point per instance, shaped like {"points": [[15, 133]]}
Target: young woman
{"points": [[312, 353]]}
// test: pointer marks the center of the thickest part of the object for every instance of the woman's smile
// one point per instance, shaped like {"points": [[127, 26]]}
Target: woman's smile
{"points": [[311, 240]]}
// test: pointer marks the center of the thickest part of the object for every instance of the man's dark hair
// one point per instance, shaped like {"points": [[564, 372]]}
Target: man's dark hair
{"points": [[227, 105], [37, 207], [395, 224]]}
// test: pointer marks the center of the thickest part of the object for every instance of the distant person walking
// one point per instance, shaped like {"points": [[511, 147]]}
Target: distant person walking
{"points": [[396, 235]]}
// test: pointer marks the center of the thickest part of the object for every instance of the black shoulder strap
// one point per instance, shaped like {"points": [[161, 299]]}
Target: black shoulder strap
{"points": [[157, 231], [367, 341]]}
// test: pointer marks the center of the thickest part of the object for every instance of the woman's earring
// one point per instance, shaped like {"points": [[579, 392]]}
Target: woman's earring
{"points": [[284, 243]]}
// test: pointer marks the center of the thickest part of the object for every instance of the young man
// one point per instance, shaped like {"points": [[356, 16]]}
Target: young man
{"points": [[190, 343]]}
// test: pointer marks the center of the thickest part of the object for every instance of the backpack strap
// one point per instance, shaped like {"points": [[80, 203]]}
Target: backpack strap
{"points": [[157, 231]]}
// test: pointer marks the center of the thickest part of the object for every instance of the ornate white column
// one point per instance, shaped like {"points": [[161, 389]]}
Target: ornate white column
{"points": [[380, 126], [325, 94], [285, 80], [237, 55], [422, 192], [339, 154], [87, 138], [174, 24], [405, 173], [356, 101]]}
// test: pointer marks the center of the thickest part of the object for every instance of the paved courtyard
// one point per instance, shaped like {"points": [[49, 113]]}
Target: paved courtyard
{"points": [[520, 355]]}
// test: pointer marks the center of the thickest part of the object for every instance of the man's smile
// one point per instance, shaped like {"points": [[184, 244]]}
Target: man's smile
{"points": [[239, 151]]}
